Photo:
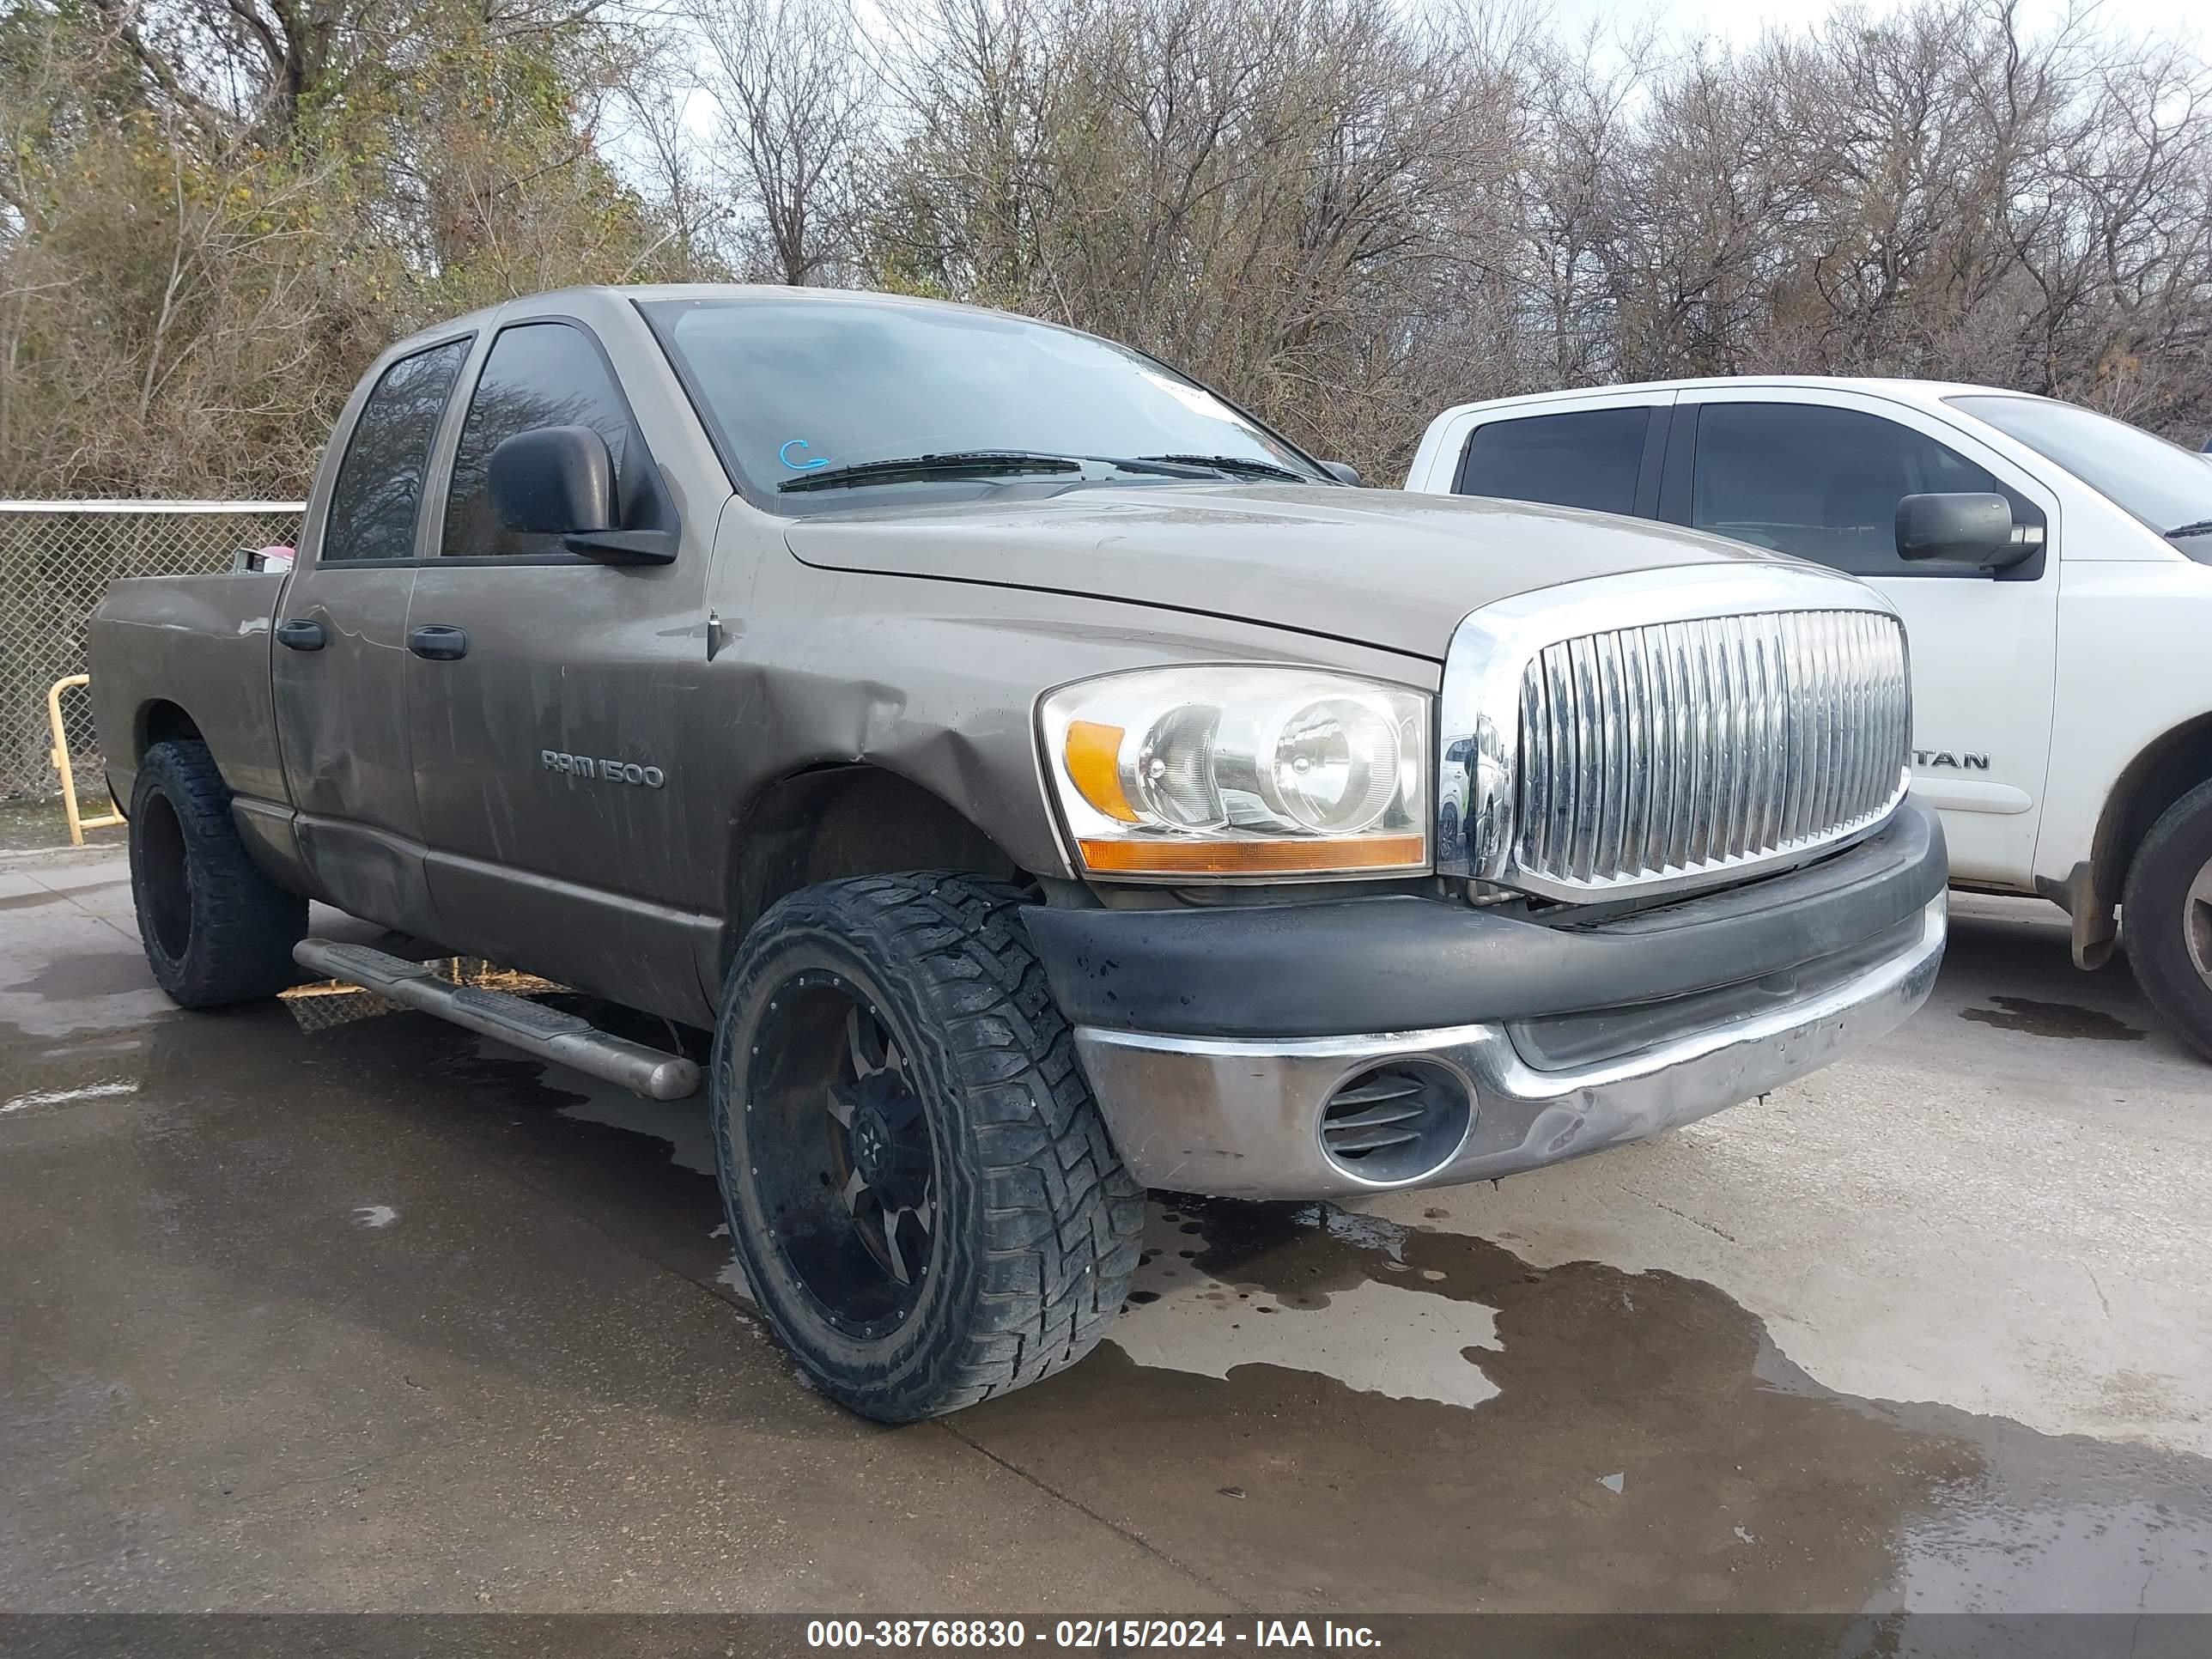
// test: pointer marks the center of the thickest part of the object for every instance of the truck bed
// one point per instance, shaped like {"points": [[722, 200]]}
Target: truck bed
{"points": [[208, 638]]}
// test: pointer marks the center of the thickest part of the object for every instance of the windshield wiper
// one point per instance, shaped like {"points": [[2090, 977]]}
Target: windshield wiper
{"points": [[1161, 466], [977, 463], [1244, 463], [2201, 527]]}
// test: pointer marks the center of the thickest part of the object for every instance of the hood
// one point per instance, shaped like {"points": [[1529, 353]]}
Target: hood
{"points": [[1376, 567]]}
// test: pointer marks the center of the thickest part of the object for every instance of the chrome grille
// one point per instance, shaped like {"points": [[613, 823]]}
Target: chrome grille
{"points": [[1652, 753]]}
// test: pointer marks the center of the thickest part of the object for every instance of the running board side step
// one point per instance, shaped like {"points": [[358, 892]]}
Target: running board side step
{"points": [[530, 1026]]}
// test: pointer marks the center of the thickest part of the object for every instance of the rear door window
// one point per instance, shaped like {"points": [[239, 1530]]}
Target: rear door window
{"points": [[1588, 458], [380, 481], [537, 374]]}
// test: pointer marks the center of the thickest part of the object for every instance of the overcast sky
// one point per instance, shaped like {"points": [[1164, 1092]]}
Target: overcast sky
{"points": [[1743, 19]]}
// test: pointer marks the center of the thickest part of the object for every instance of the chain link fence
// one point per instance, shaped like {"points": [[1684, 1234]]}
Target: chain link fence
{"points": [[56, 560]]}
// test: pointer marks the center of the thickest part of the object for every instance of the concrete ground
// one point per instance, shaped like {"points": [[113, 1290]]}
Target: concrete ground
{"points": [[306, 1306]]}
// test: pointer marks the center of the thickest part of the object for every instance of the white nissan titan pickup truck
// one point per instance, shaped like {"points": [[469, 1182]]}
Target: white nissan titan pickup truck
{"points": [[2052, 567]]}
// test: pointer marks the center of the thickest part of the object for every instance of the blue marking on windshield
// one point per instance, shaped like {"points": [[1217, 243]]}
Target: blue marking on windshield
{"points": [[783, 455]]}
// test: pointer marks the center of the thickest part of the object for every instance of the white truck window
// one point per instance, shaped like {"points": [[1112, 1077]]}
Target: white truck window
{"points": [[1821, 483], [1587, 458], [2163, 484]]}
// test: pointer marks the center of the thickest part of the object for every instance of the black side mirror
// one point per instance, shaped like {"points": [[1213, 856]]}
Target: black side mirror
{"points": [[560, 481], [556, 481], [1966, 528], [1345, 473]]}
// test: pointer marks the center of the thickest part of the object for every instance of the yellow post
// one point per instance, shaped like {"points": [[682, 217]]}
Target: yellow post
{"points": [[77, 823]]}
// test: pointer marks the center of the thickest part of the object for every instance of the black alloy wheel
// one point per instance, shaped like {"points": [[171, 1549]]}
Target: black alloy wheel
{"points": [[925, 1201], [856, 1188]]}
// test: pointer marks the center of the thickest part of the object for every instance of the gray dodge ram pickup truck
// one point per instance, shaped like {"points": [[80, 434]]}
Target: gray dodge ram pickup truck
{"points": [[1043, 780]]}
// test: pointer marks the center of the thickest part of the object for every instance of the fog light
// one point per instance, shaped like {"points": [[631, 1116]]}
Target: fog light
{"points": [[1397, 1121]]}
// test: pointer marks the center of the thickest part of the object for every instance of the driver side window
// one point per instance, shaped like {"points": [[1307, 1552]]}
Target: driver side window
{"points": [[1822, 483], [537, 374]]}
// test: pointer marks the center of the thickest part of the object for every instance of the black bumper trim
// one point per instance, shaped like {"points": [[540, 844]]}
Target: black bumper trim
{"points": [[1401, 964]]}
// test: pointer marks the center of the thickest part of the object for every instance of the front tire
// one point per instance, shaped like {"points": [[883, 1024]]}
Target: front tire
{"points": [[214, 929], [2166, 911], [921, 1189]]}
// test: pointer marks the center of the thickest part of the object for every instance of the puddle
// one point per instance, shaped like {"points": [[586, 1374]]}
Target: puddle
{"points": [[681, 1126], [95, 990], [681, 1123], [1636, 1441], [1188, 1311], [675, 1130], [2053, 1019], [38, 1076], [637, 1169], [87, 973], [1207, 1329], [1308, 1406], [43, 1099]]}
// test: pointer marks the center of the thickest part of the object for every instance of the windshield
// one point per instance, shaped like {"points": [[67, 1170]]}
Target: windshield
{"points": [[2166, 486], [794, 388]]}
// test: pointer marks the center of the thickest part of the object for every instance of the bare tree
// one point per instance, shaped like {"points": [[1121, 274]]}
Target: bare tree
{"points": [[794, 104], [1344, 213]]}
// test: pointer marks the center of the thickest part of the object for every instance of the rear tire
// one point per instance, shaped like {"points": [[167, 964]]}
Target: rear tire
{"points": [[2166, 913], [214, 929], [921, 1188]]}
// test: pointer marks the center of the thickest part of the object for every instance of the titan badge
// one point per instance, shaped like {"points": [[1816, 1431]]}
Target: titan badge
{"points": [[1956, 761]]}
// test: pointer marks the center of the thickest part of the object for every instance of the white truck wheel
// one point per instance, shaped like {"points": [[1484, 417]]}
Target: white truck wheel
{"points": [[2167, 912]]}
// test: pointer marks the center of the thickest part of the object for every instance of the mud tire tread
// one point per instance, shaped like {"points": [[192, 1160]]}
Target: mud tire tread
{"points": [[243, 926], [1055, 1219], [2159, 876]]}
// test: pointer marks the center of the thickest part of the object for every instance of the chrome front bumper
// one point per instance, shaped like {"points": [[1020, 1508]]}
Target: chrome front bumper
{"points": [[1241, 1117]]}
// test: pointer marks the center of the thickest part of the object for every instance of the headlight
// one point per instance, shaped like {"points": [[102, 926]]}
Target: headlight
{"points": [[1229, 771]]}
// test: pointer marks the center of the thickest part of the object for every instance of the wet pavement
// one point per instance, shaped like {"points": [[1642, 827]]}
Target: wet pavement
{"points": [[322, 1306]]}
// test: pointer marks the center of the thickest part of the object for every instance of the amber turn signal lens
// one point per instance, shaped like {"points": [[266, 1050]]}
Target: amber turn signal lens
{"points": [[1093, 756], [1250, 858]]}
